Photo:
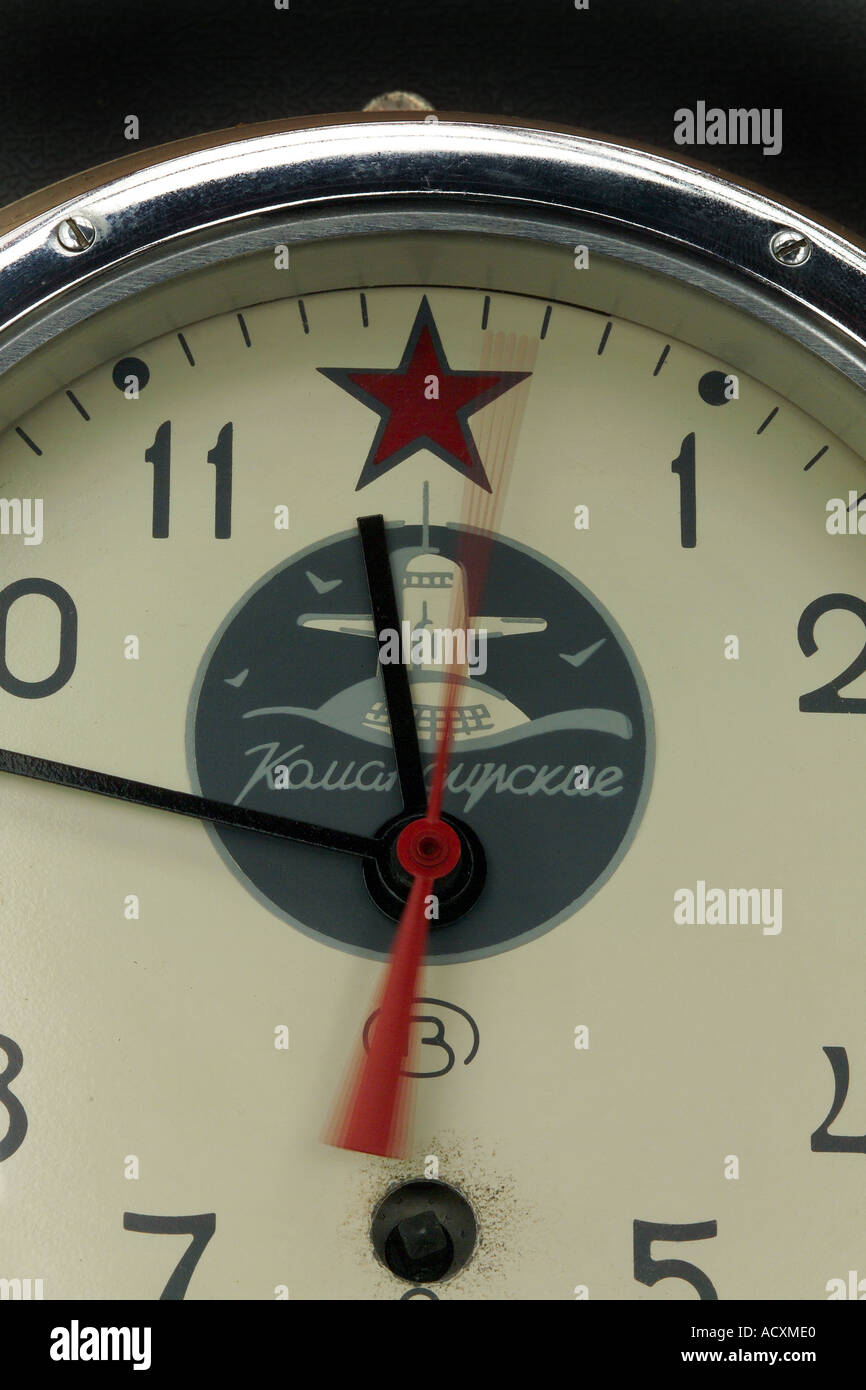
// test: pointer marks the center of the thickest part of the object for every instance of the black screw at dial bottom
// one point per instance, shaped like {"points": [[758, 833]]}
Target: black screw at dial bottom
{"points": [[424, 1230]]}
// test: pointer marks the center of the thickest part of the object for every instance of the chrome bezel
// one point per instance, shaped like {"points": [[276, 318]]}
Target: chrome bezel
{"points": [[187, 209]]}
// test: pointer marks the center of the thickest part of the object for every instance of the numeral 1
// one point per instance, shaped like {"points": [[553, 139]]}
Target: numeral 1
{"points": [[159, 454], [684, 467], [221, 457]]}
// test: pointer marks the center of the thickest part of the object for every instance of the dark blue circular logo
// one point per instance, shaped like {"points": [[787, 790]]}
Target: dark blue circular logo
{"points": [[551, 758]]}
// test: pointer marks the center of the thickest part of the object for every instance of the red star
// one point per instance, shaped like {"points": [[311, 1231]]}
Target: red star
{"points": [[423, 404]]}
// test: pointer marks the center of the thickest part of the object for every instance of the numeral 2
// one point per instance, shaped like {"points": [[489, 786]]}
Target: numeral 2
{"points": [[826, 699]]}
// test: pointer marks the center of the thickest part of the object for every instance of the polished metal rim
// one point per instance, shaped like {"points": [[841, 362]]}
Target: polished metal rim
{"points": [[115, 230]]}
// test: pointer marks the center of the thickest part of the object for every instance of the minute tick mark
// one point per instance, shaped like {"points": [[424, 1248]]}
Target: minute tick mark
{"points": [[661, 362], [27, 440], [78, 406], [185, 345], [820, 454]]}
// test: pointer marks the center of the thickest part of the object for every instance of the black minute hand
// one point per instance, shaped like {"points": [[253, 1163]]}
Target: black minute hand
{"points": [[185, 804], [398, 697]]}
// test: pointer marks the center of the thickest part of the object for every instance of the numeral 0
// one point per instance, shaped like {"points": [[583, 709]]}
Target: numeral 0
{"points": [[67, 655]]}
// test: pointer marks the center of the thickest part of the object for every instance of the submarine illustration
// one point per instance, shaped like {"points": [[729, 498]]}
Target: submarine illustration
{"points": [[431, 589]]}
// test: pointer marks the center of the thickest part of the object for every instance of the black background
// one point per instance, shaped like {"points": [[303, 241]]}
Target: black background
{"points": [[70, 70]]}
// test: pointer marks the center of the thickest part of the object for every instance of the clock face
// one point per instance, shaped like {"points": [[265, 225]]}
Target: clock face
{"points": [[635, 1041]]}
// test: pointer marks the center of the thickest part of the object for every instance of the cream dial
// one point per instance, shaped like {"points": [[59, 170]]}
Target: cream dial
{"points": [[646, 1008]]}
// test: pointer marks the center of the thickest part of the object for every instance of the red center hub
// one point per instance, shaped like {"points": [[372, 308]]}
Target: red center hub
{"points": [[429, 847]]}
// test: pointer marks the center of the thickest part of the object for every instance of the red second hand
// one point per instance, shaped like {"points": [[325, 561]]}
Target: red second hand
{"points": [[376, 1121], [375, 1118]]}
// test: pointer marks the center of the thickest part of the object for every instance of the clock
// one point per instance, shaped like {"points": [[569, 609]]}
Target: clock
{"points": [[429, 536]]}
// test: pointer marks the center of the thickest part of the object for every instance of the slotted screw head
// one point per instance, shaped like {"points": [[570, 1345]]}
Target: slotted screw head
{"points": [[790, 247], [76, 233]]}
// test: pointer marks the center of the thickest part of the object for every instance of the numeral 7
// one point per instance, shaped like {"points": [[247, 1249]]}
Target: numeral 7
{"points": [[200, 1227]]}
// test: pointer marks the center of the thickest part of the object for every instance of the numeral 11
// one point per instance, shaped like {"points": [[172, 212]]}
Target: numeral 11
{"points": [[159, 455]]}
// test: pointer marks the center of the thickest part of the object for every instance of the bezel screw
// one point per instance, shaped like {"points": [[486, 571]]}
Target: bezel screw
{"points": [[75, 234], [789, 247]]}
